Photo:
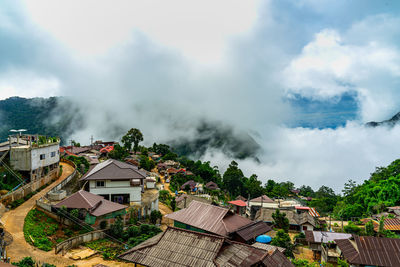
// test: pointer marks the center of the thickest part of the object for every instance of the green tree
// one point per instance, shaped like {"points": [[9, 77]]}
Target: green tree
{"points": [[306, 191], [117, 228], [381, 229], [233, 179], [146, 163], [134, 136], [173, 204], [349, 188], [119, 152], [154, 216], [282, 239], [342, 263], [369, 228], [280, 220], [252, 186], [161, 149]]}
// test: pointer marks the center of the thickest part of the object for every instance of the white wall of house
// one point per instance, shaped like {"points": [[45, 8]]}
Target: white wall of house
{"points": [[309, 227], [274, 205], [117, 187], [26, 158]]}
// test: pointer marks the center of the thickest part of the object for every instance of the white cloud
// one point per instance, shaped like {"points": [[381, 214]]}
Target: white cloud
{"points": [[320, 157], [198, 30], [329, 66], [27, 84]]}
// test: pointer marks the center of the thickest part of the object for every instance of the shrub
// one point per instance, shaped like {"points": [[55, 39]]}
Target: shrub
{"points": [[25, 262], [103, 224]]}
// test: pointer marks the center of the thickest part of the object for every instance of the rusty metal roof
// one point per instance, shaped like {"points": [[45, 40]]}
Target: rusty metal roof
{"points": [[253, 230], [392, 224], [370, 250], [213, 219]]}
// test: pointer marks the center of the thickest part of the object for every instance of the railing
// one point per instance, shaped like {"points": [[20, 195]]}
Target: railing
{"points": [[77, 240]]}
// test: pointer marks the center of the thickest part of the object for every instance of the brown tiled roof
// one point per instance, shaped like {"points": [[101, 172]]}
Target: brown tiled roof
{"points": [[114, 170], [265, 215], [325, 237], [276, 259], [192, 184], [241, 198], [263, 198], [210, 218], [96, 205], [180, 247], [253, 230], [370, 250]]}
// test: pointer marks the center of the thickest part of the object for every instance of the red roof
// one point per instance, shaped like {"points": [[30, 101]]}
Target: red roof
{"points": [[312, 211], [107, 149], [239, 203]]}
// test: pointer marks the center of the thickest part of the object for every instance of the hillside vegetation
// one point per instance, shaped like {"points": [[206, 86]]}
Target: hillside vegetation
{"points": [[381, 190]]}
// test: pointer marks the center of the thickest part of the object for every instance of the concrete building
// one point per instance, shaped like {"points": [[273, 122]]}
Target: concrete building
{"points": [[34, 156]]}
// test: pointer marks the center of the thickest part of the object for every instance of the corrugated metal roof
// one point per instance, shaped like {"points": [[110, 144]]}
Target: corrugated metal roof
{"points": [[263, 198], [392, 224], [276, 259], [210, 218], [239, 203], [267, 247], [253, 230], [369, 250], [112, 169], [325, 237], [179, 247], [265, 214]]}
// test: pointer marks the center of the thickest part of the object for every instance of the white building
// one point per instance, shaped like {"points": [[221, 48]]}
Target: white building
{"points": [[35, 158], [123, 183]]}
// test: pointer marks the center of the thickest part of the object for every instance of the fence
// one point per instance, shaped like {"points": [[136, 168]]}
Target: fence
{"points": [[77, 240], [66, 180]]}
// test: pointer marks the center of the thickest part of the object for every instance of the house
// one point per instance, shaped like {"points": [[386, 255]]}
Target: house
{"points": [[179, 247], [255, 204], [390, 224], [189, 184], [116, 181], [206, 218], [312, 211], [323, 244], [123, 183], [298, 221], [239, 206], [93, 209], [34, 156], [370, 251], [211, 186]]}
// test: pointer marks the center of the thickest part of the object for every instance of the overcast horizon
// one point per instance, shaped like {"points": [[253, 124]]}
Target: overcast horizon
{"points": [[302, 78]]}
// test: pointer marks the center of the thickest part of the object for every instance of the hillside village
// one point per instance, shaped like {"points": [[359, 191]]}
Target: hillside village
{"points": [[118, 203]]}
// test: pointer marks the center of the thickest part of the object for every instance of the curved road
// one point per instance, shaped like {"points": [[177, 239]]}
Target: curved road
{"points": [[13, 221]]}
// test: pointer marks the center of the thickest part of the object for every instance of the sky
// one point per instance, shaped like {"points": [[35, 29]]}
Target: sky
{"points": [[302, 77]]}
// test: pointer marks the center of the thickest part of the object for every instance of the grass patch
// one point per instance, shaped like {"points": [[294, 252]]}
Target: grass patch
{"points": [[109, 250], [44, 232]]}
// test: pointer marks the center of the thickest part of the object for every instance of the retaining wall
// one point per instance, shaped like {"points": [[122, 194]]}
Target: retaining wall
{"points": [[77, 240]]}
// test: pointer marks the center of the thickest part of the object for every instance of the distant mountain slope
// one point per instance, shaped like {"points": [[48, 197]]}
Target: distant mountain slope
{"points": [[391, 122], [36, 115], [54, 116]]}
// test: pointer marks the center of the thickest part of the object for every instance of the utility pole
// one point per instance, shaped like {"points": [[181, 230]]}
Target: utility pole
{"points": [[330, 220], [91, 140]]}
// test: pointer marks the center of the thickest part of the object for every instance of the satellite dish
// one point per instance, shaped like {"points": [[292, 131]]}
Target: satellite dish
{"points": [[14, 131], [22, 130]]}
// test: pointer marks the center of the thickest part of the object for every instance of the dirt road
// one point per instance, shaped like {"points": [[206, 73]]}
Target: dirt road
{"points": [[14, 222]]}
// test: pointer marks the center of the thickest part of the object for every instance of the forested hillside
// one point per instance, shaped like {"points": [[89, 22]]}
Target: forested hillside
{"points": [[37, 115], [381, 190]]}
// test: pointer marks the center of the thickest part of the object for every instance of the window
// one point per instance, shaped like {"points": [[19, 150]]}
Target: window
{"points": [[100, 184], [53, 154], [42, 156]]}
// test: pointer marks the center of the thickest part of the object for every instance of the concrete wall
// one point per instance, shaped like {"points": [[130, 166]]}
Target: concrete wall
{"points": [[77, 240], [117, 187], [26, 158], [36, 162]]}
